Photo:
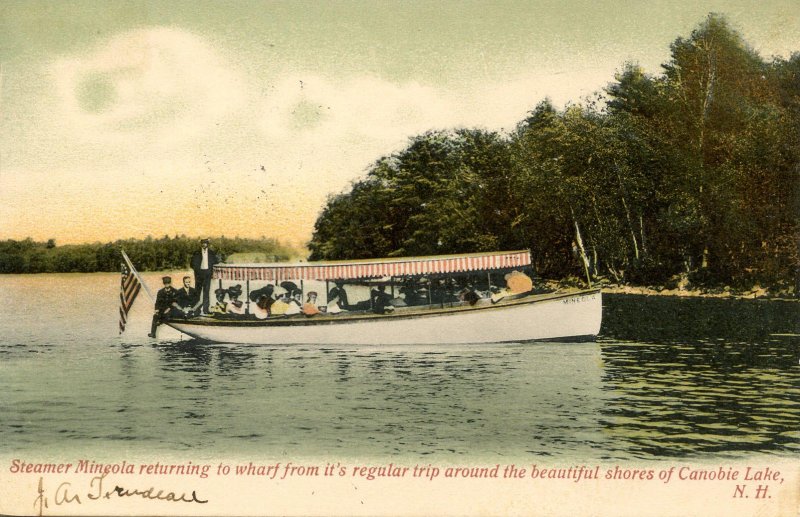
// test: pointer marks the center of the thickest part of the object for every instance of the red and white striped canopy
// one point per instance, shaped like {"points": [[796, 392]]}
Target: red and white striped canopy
{"points": [[361, 269]]}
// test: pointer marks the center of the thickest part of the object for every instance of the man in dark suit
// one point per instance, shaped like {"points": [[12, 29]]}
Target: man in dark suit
{"points": [[203, 262], [166, 305], [188, 298]]}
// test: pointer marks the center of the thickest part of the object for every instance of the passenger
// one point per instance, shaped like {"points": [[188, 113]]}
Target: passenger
{"points": [[398, 301], [381, 300], [281, 305], [235, 306], [442, 292], [411, 295], [266, 290], [220, 307], [469, 295], [335, 304], [261, 309], [166, 305], [310, 307], [289, 287], [295, 303], [340, 295], [518, 282], [188, 299], [262, 301], [422, 297], [499, 294], [203, 262]]}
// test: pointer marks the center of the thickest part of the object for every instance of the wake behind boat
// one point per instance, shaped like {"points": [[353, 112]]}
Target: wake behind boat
{"points": [[452, 299]]}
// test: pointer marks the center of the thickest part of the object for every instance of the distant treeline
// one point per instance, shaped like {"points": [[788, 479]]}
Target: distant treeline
{"points": [[692, 172], [28, 256]]}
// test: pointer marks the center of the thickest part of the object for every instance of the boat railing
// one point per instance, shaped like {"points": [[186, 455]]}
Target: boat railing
{"points": [[508, 299]]}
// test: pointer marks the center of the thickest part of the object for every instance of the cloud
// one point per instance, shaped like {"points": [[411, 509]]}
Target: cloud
{"points": [[308, 106], [157, 85], [156, 117], [327, 131]]}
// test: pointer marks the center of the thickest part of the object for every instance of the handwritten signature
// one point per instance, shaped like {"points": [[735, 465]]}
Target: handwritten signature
{"points": [[66, 494]]}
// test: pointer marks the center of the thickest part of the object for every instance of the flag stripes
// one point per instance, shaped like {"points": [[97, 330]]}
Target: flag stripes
{"points": [[129, 289]]}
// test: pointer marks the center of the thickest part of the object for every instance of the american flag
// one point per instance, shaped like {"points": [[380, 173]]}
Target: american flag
{"points": [[129, 288]]}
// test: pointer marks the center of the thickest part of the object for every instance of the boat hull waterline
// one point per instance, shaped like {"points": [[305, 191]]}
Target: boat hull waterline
{"points": [[563, 317]]}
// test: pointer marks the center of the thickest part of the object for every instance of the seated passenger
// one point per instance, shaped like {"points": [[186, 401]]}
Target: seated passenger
{"points": [[289, 287], [261, 309], [310, 307], [381, 300], [411, 295], [188, 299], [220, 307], [518, 282], [498, 294], [295, 303], [398, 301], [469, 295], [281, 305], [442, 291], [335, 305], [258, 293], [340, 295], [165, 305], [235, 306]]}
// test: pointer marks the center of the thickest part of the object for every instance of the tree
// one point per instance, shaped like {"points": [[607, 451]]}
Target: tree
{"points": [[444, 193]]}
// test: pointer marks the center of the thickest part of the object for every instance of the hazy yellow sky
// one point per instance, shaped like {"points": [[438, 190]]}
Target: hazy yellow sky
{"points": [[127, 119]]}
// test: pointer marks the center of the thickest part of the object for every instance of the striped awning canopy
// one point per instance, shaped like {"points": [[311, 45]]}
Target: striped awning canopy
{"points": [[364, 269]]}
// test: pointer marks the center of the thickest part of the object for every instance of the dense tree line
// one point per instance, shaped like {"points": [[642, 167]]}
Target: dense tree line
{"points": [[692, 171], [28, 256]]}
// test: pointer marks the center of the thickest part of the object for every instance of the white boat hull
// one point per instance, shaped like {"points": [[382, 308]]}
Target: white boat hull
{"points": [[564, 317]]}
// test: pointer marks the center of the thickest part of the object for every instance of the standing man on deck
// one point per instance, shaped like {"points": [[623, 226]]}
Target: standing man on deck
{"points": [[203, 262]]}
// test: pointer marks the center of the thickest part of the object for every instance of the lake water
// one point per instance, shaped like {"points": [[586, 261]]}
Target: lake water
{"points": [[687, 378]]}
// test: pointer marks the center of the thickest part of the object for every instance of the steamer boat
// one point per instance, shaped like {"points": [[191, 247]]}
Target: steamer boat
{"points": [[429, 304]]}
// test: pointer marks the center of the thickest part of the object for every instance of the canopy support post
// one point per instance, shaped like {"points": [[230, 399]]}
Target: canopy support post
{"points": [[247, 298]]}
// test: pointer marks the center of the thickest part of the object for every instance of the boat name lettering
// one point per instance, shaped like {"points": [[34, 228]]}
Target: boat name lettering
{"points": [[579, 299]]}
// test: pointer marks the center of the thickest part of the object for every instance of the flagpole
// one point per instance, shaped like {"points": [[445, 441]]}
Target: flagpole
{"points": [[133, 270]]}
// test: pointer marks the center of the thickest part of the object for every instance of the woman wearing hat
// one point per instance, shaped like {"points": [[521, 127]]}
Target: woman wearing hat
{"points": [[295, 303], [261, 309], [310, 307], [235, 306], [220, 307]]}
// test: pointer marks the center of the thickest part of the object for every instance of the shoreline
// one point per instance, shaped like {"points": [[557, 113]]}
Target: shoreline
{"points": [[755, 293]]}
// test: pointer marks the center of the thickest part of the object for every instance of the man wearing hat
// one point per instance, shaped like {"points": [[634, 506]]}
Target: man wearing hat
{"points": [[166, 301], [203, 262]]}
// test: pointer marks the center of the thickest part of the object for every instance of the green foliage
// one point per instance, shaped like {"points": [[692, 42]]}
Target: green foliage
{"points": [[692, 171], [147, 255], [446, 191]]}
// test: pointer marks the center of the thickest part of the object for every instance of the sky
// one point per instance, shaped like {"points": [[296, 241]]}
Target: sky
{"points": [[127, 119]]}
